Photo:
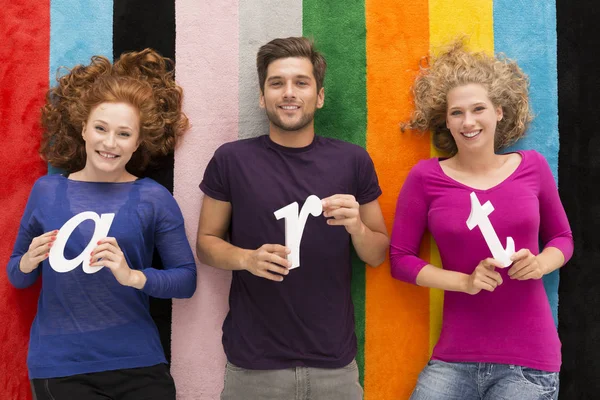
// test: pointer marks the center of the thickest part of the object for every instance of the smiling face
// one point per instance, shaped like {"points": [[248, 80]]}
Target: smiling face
{"points": [[471, 118], [290, 95], [111, 136]]}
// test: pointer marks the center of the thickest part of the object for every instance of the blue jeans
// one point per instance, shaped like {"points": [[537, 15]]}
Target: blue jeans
{"points": [[484, 381]]}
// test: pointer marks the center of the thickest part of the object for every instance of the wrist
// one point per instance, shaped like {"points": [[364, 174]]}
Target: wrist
{"points": [[463, 283], [543, 265], [361, 230], [137, 279], [243, 260], [23, 267]]}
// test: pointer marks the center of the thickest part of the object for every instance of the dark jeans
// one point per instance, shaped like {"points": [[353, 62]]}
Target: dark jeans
{"points": [[147, 383]]}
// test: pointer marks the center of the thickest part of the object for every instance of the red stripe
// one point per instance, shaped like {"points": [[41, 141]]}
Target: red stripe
{"points": [[24, 56]]}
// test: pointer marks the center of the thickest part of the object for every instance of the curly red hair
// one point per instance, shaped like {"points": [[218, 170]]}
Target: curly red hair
{"points": [[142, 79]]}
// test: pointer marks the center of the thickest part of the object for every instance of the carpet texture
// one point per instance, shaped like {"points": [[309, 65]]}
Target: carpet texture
{"points": [[373, 49]]}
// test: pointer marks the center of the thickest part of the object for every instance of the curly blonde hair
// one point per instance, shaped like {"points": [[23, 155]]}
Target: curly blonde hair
{"points": [[506, 84], [142, 79]]}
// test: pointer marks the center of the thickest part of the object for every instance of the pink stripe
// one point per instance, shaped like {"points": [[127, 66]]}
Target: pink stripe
{"points": [[207, 68]]}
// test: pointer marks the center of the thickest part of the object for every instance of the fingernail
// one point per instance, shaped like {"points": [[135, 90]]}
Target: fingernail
{"points": [[287, 251], [99, 241], [47, 254], [91, 254], [50, 244], [53, 238]]}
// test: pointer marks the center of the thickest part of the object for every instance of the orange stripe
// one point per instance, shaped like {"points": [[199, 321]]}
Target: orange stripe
{"points": [[397, 314]]}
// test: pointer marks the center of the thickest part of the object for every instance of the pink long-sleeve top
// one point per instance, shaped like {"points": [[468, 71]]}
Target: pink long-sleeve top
{"points": [[514, 324]]}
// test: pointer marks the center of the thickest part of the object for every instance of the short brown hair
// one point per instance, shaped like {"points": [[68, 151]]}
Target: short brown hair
{"points": [[142, 79], [506, 84], [290, 47]]}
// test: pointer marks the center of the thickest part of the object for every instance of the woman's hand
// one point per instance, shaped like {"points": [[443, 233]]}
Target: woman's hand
{"points": [[484, 277], [526, 266], [38, 251], [108, 254]]}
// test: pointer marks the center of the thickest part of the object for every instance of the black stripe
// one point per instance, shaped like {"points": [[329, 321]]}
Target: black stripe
{"points": [[579, 174], [139, 24]]}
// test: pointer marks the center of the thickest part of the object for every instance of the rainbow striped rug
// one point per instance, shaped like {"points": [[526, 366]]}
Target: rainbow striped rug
{"points": [[373, 48]]}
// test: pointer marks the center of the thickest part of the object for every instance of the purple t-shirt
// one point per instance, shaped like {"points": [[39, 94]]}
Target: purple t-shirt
{"points": [[308, 319], [513, 324]]}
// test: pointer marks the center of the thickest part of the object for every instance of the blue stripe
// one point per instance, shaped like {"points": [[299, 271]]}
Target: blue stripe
{"points": [[78, 30], [526, 32]]}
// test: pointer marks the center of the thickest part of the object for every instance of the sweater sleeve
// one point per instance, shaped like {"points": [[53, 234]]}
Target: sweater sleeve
{"points": [[178, 278], [29, 229], [554, 225], [409, 226]]}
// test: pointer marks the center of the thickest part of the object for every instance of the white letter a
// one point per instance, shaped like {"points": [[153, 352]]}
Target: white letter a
{"points": [[57, 251]]}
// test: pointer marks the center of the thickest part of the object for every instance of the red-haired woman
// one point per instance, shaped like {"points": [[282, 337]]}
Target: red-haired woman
{"points": [[91, 232]]}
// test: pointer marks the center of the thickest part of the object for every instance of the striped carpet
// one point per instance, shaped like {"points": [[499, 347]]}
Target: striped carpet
{"points": [[373, 48]]}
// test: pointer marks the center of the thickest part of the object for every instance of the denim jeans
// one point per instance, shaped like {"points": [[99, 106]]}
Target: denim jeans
{"points": [[299, 383], [484, 381]]}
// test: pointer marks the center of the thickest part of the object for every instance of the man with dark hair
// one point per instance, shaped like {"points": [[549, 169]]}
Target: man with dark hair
{"points": [[289, 333]]}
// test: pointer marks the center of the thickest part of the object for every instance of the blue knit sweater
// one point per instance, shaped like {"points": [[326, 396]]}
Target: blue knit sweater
{"points": [[88, 322]]}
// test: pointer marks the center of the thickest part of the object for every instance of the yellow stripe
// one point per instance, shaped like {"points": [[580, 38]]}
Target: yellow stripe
{"points": [[449, 20]]}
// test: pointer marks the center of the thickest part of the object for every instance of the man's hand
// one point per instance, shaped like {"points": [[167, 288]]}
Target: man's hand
{"points": [[343, 210], [268, 261]]}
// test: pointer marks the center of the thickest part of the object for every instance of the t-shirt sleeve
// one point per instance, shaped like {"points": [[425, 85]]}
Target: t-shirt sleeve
{"points": [[178, 278], [555, 230], [368, 184], [29, 229], [409, 226], [215, 182]]}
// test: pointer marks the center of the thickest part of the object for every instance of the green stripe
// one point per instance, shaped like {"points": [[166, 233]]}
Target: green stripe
{"points": [[344, 115], [358, 296]]}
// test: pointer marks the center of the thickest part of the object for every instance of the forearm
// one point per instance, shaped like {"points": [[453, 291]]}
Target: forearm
{"points": [[18, 277], [551, 258], [438, 278], [177, 282], [219, 253], [371, 246]]}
